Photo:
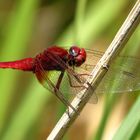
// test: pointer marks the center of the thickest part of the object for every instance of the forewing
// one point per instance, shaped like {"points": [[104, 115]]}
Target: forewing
{"points": [[124, 72], [123, 76]]}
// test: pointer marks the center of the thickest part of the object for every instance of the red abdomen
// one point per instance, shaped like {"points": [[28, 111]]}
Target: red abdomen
{"points": [[24, 64]]}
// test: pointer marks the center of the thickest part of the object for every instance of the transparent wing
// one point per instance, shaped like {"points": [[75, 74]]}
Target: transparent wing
{"points": [[123, 76], [123, 72], [42, 76]]}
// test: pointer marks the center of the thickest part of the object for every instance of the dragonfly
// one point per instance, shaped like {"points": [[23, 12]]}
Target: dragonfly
{"points": [[60, 60], [53, 58]]}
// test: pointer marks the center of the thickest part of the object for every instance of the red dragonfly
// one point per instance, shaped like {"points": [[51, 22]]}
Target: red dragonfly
{"points": [[62, 60], [53, 58]]}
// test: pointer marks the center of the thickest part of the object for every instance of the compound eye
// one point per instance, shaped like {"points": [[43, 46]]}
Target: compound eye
{"points": [[74, 51]]}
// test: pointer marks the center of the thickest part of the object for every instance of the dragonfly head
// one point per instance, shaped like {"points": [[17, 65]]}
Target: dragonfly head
{"points": [[77, 56]]}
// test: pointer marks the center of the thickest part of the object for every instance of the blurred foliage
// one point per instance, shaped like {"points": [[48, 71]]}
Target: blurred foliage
{"points": [[27, 110]]}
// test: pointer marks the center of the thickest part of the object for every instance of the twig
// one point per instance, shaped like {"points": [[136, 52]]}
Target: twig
{"points": [[98, 72]]}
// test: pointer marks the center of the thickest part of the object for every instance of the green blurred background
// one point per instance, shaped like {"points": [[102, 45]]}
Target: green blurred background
{"points": [[27, 110]]}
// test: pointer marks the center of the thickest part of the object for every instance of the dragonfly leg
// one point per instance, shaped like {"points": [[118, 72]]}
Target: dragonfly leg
{"points": [[68, 112], [60, 96], [72, 84], [59, 80]]}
